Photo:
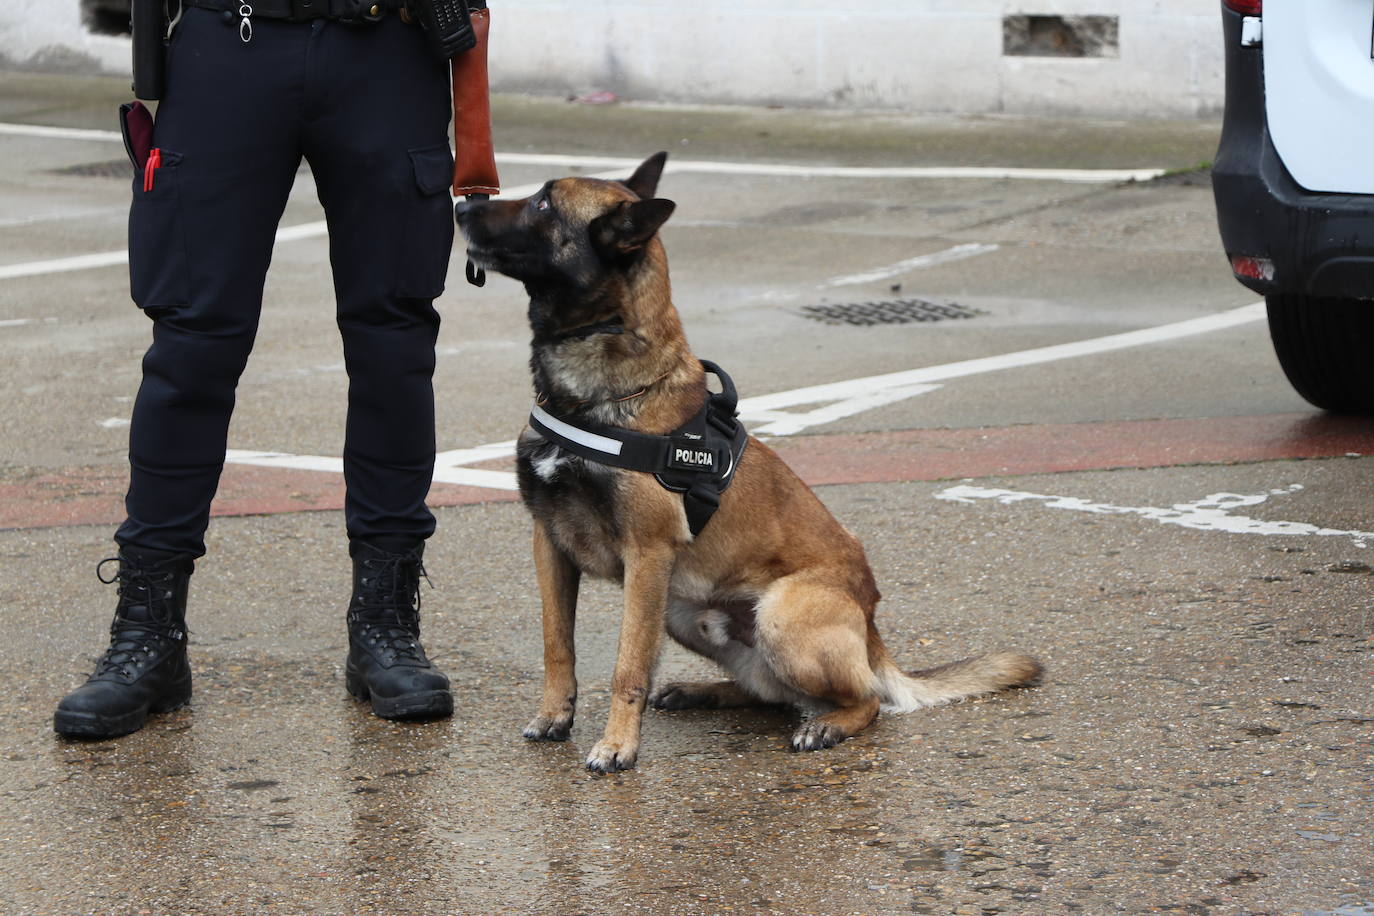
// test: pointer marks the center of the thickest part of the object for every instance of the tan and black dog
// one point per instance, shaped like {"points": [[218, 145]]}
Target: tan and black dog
{"points": [[773, 588]]}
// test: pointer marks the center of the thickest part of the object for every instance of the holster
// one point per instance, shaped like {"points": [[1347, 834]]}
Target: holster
{"points": [[474, 159], [148, 18]]}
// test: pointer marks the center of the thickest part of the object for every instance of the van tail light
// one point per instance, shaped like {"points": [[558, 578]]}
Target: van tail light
{"points": [[1245, 7], [1254, 268]]}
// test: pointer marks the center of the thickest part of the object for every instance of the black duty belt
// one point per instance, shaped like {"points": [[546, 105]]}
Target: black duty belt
{"points": [[303, 10], [698, 459]]}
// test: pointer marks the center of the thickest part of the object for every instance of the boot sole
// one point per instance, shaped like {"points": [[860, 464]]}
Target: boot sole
{"points": [[89, 725], [430, 704]]}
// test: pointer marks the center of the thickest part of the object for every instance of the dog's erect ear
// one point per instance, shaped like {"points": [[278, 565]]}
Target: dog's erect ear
{"points": [[644, 182], [630, 225]]}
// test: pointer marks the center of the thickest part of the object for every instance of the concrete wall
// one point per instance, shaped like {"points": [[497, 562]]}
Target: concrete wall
{"points": [[917, 55]]}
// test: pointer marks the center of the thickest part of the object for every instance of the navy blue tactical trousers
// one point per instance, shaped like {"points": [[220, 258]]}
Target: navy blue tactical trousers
{"points": [[368, 108]]}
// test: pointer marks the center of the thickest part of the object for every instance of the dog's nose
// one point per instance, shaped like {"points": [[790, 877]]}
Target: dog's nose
{"points": [[463, 208]]}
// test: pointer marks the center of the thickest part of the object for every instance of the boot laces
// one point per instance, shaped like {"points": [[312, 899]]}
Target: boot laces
{"points": [[387, 605], [134, 643]]}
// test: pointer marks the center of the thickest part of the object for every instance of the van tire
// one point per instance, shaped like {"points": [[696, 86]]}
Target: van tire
{"points": [[1326, 348]]}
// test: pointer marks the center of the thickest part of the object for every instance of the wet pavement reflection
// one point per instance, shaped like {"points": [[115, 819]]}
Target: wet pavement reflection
{"points": [[1203, 743]]}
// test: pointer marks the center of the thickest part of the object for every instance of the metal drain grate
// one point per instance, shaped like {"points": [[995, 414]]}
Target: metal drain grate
{"points": [[115, 168], [888, 311]]}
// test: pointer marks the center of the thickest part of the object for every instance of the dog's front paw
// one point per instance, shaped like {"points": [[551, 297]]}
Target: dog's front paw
{"points": [[817, 734], [542, 728], [612, 756]]}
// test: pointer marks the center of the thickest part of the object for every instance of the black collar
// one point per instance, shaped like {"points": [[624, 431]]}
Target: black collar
{"points": [[613, 325], [698, 459]]}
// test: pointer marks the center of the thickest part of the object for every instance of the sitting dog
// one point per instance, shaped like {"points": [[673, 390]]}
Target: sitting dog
{"points": [[634, 471]]}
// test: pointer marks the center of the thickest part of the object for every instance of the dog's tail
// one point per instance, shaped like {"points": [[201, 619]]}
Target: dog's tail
{"points": [[970, 677]]}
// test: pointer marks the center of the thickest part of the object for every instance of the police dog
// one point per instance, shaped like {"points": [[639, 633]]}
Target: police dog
{"points": [[773, 589]]}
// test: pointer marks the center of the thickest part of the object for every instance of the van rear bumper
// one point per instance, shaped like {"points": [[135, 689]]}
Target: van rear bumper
{"points": [[1319, 244]]}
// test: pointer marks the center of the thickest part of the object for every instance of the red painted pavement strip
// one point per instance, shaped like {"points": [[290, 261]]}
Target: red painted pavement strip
{"points": [[31, 498], [942, 454], [95, 496]]}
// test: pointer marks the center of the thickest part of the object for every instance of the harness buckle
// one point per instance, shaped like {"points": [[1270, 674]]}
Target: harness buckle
{"points": [[725, 423], [707, 495]]}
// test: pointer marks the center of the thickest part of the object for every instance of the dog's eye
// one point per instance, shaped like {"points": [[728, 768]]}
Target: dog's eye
{"points": [[541, 204]]}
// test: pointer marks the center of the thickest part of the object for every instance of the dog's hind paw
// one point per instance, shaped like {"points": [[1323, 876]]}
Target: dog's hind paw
{"points": [[815, 735], [542, 728], [611, 757], [683, 696]]}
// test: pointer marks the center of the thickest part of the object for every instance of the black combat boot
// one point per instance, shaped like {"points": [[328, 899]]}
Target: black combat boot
{"points": [[386, 662], [145, 668]]}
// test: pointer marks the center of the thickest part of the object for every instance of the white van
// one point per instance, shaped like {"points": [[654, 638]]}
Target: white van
{"points": [[1294, 184]]}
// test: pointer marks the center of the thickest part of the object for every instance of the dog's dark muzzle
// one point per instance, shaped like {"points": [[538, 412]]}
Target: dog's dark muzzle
{"points": [[463, 211], [483, 223]]}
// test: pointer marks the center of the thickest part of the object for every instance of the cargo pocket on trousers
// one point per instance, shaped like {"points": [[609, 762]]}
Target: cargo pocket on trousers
{"points": [[159, 269], [428, 238]]}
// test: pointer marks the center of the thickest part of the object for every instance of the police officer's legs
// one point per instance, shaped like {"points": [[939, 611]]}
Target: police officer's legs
{"points": [[382, 164], [199, 242]]}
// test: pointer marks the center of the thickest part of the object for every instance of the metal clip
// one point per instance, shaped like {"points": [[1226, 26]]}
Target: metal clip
{"points": [[245, 25], [476, 275]]}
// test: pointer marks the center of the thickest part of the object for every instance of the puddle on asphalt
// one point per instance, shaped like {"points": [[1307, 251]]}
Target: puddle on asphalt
{"points": [[1325, 837], [934, 858]]}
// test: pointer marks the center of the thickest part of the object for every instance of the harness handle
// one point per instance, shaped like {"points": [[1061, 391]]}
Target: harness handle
{"points": [[728, 399]]}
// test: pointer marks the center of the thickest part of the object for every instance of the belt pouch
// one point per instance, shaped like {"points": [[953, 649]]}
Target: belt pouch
{"points": [[136, 124]]}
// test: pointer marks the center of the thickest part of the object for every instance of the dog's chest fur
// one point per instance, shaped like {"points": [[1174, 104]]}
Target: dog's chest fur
{"points": [[576, 500], [579, 501]]}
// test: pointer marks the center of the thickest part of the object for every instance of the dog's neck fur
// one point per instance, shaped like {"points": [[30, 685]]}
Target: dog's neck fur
{"points": [[644, 378]]}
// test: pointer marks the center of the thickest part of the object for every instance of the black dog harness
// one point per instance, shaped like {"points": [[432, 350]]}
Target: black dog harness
{"points": [[698, 459]]}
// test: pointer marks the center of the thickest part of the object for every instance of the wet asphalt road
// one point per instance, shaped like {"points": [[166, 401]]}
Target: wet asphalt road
{"points": [[1202, 743]]}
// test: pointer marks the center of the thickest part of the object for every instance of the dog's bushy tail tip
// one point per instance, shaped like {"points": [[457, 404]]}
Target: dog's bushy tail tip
{"points": [[961, 680]]}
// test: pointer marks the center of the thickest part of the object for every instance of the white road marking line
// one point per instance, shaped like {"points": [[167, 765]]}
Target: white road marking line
{"points": [[859, 387], [842, 399], [789, 424], [114, 423], [715, 166], [35, 218], [785, 170], [285, 460], [303, 231], [20, 322], [957, 253], [475, 477], [61, 265], [111, 258], [1212, 513], [60, 133], [461, 456]]}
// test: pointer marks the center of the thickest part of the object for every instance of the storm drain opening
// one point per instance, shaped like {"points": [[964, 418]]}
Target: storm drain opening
{"points": [[888, 311], [114, 168]]}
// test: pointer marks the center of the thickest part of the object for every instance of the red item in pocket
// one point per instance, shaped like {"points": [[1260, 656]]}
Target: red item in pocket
{"points": [[154, 163]]}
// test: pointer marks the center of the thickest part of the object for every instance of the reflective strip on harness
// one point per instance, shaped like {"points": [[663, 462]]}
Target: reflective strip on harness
{"points": [[580, 436], [698, 459]]}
